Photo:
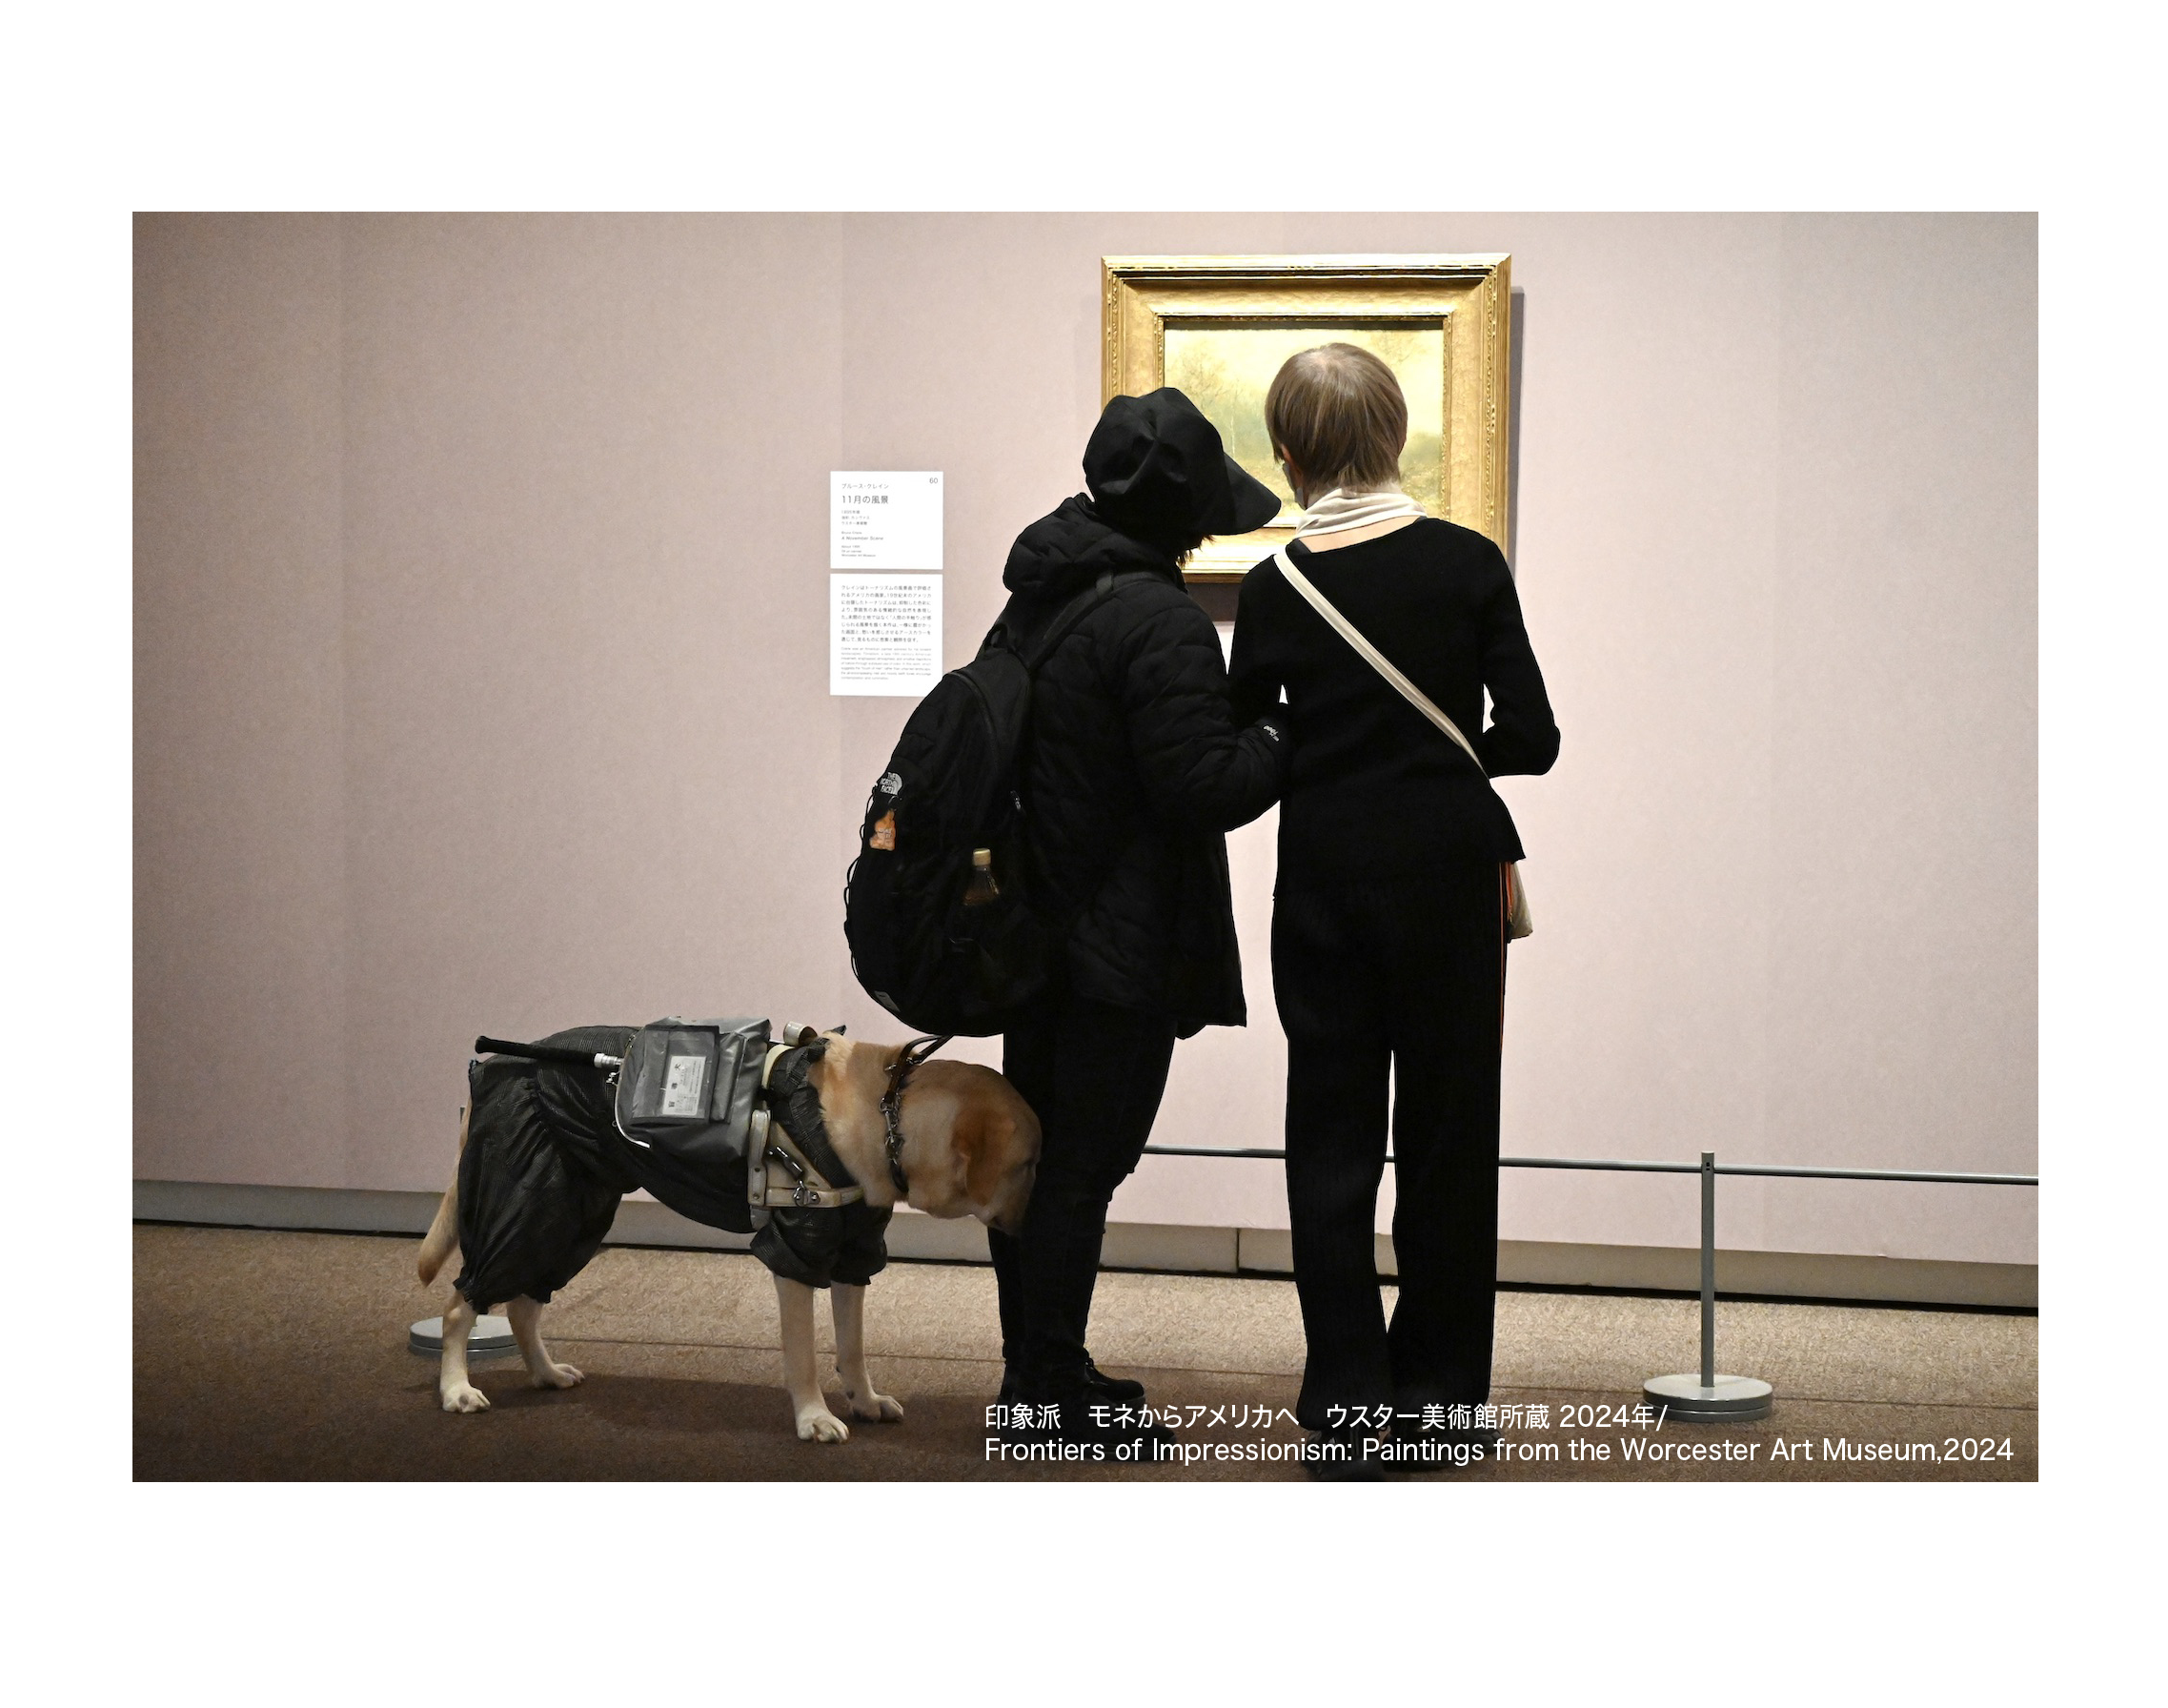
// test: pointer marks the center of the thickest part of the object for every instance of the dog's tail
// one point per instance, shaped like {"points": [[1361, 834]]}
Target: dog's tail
{"points": [[443, 1236]]}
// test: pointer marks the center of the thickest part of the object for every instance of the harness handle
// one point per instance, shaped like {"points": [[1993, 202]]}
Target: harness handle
{"points": [[545, 1053]]}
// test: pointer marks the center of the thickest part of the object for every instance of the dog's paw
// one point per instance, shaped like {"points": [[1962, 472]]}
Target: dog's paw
{"points": [[822, 1425], [558, 1375], [874, 1407], [465, 1397]]}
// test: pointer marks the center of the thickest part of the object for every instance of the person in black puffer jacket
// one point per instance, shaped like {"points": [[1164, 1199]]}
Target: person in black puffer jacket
{"points": [[1134, 771]]}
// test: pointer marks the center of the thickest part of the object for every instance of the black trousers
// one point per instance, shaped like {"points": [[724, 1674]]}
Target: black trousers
{"points": [[1094, 1075], [1405, 981]]}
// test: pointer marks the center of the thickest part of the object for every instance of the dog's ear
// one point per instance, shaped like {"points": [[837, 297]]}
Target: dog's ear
{"points": [[981, 1143]]}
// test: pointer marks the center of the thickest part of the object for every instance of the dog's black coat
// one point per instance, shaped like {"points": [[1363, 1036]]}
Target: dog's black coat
{"points": [[545, 1168], [817, 1247]]}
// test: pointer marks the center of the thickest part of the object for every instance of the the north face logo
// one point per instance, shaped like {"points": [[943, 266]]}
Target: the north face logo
{"points": [[890, 784]]}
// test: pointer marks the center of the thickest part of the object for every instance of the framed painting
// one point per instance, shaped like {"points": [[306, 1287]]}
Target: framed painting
{"points": [[1219, 326]]}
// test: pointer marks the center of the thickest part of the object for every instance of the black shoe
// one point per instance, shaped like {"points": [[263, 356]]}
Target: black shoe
{"points": [[1102, 1388], [1082, 1412], [1340, 1458], [1117, 1391]]}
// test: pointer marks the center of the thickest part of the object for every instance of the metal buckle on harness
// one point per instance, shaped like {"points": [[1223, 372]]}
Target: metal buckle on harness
{"points": [[804, 1193]]}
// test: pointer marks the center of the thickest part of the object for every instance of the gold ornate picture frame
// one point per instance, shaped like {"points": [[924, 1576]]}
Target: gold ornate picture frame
{"points": [[1219, 326]]}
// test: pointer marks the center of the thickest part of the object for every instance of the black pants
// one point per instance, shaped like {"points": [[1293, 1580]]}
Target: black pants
{"points": [[1094, 1075], [1406, 980]]}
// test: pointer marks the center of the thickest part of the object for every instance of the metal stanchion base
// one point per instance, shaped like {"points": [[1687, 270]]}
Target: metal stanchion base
{"points": [[490, 1336], [1733, 1399]]}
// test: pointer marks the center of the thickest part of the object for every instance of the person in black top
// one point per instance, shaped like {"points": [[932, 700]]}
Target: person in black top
{"points": [[1134, 769], [1389, 947]]}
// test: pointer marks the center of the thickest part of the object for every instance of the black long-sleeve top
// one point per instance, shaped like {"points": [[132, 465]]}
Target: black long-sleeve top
{"points": [[1373, 785]]}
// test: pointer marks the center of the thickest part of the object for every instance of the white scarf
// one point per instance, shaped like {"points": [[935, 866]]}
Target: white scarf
{"points": [[1338, 510]]}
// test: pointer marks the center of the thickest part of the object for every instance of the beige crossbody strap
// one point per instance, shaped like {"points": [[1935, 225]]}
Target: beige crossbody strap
{"points": [[1383, 665], [1518, 921]]}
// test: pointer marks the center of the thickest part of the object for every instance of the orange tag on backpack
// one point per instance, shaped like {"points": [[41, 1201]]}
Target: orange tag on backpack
{"points": [[883, 835]]}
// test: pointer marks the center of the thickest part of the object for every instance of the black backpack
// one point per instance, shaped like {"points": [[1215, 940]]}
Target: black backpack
{"points": [[936, 907]]}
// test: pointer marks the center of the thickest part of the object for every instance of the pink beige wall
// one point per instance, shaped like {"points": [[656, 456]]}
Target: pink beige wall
{"points": [[480, 645]]}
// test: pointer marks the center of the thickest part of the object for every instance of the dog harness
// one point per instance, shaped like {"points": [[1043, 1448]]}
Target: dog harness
{"points": [[790, 1161], [811, 1222]]}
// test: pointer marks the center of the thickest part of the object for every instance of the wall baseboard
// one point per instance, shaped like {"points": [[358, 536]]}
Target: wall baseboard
{"points": [[1163, 1245]]}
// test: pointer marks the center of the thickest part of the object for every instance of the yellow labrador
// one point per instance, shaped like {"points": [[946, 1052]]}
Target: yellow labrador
{"points": [[971, 1148]]}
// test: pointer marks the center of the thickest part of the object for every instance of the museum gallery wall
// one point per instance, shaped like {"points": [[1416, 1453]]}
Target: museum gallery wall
{"points": [[454, 535]]}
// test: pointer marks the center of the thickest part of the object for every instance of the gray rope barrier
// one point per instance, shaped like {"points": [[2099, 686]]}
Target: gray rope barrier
{"points": [[1705, 1397], [1788, 1171]]}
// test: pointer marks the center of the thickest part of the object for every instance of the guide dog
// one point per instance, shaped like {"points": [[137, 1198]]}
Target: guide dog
{"points": [[971, 1148]]}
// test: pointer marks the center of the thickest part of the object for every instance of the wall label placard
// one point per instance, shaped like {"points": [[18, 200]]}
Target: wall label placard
{"points": [[884, 520], [883, 634]]}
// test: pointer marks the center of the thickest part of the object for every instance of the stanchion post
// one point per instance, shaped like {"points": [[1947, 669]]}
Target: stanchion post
{"points": [[1709, 1269], [491, 1337], [1709, 1397]]}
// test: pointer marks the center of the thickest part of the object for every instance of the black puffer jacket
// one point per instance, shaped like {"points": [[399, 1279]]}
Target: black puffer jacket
{"points": [[1135, 770]]}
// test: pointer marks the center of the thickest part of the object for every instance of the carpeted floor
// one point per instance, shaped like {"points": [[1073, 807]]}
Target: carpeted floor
{"points": [[283, 1357]]}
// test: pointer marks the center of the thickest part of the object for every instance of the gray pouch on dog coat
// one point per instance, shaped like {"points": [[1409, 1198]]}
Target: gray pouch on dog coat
{"points": [[687, 1087]]}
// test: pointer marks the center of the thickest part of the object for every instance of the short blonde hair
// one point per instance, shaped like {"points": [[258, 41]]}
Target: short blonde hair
{"points": [[1337, 414]]}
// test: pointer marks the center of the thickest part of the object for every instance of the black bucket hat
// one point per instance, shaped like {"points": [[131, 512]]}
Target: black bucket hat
{"points": [[1156, 467]]}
